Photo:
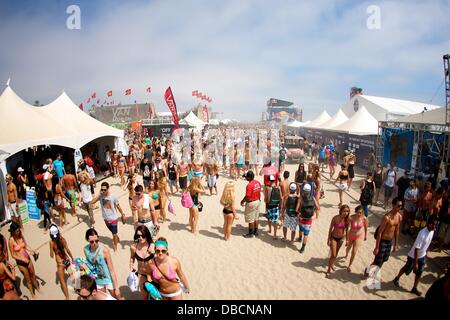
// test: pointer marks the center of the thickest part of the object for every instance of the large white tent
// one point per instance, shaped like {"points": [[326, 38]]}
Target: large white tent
{"points": [[193, 121], [59, 123], [338, 119], [361, 123], [385, 109], [323, 117]]}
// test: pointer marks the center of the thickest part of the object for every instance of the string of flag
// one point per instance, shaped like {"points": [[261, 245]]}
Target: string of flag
{"points": [[109, 94], [201, 96]]}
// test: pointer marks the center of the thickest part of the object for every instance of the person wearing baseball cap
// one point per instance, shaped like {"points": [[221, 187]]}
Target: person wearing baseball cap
{"points": [[307, 208], [291, 207], [251, 201]]}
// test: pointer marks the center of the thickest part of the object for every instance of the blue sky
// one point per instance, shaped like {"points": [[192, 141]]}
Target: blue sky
{"points": [[240, 53]]}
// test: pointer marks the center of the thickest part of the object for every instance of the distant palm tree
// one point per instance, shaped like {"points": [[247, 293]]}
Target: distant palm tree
{"points": [[36, 103]]}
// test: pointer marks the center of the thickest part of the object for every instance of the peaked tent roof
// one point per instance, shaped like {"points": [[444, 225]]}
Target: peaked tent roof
{"points": [[23, 126], [86, 128], [58, 123], [192, 120], [323, 117], [385, 109], [361, 123], [338, 119]]}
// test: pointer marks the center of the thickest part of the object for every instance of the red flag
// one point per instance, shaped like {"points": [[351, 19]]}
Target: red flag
{"points": [[149, 89], [203, 97], [198, 94], [194, 93], [172, 105], [94, 95], [110, 93], [81, 107], [127, 92]]}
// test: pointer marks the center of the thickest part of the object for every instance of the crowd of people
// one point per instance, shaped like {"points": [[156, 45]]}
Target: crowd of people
{"points": [[291, 203]]}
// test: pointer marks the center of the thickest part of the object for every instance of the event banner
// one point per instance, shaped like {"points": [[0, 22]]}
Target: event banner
{"points": [[23, 212], [33, 211], [172, 105], [122, 114]]}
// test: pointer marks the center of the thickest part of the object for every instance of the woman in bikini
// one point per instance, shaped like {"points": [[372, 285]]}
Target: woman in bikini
{"points": [[166, 273], [343, 180], [121, 167], [195, 188], [7, 274], [131, 161], [20, 252], [60, 204], [142, 250], [155, 200], [357, 221], [130, 187], [336, 234], [63, 256], [229, 209], [164, 195]]}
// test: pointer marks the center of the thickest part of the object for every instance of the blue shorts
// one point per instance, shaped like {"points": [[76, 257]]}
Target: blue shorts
{"points": [[305, 226], [112, 226], [273, 214]]}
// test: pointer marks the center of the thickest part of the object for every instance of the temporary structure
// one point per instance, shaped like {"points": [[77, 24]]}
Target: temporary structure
{"points": [[338, 119], [193, 121], [297, 124], [361, 123], [323, 117], [59, 123]]}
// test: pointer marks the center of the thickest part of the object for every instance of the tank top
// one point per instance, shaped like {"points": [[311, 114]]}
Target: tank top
{"points": [[307, 209], [390, 178], [300, 177], [291, 206], [100, 265], [172, 172]]}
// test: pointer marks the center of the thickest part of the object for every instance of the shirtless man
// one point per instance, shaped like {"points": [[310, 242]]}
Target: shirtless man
{"points": [[13, 200], [69, 183], [212, 171], [142, 204], [284, 186], [425, 207], [386, 232]]}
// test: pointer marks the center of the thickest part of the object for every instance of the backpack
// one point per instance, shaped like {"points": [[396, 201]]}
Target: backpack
{"points": [[367, 193], [307, 210], [186, 200], [275, 197]]}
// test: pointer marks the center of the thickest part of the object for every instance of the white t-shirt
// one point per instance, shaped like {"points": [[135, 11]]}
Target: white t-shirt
{"points": [[108, 205], [422, 243], [390, 179], [86, 192]]}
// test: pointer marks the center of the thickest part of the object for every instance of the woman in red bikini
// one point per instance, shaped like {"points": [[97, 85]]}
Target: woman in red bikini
{"points": [[166, 273], [19, 251], [336, 234], [7, 274], [357, 222]]}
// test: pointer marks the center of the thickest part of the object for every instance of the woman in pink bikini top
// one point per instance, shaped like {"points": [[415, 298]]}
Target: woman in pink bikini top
{"points": [[358, 221], [166, 273]]}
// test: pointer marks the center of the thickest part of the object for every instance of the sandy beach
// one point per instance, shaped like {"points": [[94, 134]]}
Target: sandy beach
{"points": [[241, 269]]}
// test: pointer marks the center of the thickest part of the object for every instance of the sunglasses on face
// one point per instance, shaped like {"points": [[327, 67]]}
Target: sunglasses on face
{"points": [[161, 251], [103, 190], [140, 236], [138, 193], [81, 296], [94, 241]]}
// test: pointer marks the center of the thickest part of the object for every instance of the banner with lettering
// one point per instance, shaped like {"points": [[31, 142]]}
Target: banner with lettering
{"points": [[33, 211], [172, 105]]}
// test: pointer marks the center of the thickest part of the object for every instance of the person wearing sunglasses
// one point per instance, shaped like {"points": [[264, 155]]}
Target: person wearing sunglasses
{"points": [[88, 290], [166, 273], [109, 205], [386, 234], [142, 250], [416, 256], [100, 258]]}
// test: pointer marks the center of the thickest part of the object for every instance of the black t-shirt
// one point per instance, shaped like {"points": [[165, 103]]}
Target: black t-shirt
{"points": [[146, 170], [403, 184], [148, 153]]}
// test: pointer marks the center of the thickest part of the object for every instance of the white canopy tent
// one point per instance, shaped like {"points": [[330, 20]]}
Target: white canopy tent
{"points": [[338, 119], [59, 123], [361, 123], [297, 124], [193, 121], [323, 117]]}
